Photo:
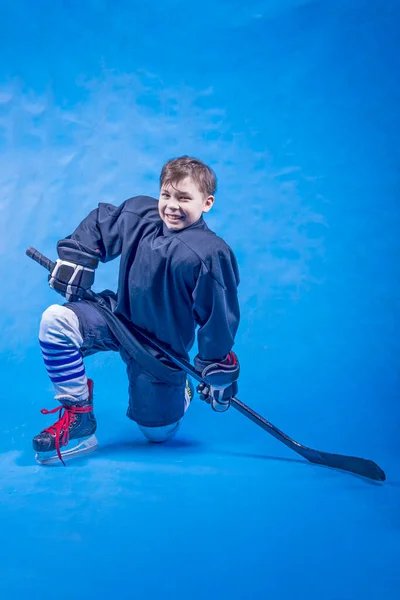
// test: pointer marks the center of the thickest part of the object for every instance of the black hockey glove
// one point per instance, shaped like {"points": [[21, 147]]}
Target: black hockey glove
{"points": [[74, 270], [220, 382]]}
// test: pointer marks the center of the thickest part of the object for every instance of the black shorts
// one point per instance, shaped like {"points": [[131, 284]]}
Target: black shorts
{"points": [[152, 402]]}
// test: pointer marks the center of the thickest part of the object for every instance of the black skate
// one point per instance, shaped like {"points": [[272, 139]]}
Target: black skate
{"points": [[75, 429]]}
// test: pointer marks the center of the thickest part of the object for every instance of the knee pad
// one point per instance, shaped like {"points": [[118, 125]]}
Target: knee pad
{"points": [[52, 315], [59, 322], [160, 434]]}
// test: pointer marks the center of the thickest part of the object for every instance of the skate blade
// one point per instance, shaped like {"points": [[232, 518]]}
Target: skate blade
{"points": [[84, 446]]}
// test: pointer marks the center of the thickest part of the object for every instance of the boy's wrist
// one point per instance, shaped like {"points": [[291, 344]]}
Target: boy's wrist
{"points": [[218, 372]]}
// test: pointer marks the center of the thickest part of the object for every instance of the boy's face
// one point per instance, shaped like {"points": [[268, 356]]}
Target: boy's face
{"points": [[182, 204]]}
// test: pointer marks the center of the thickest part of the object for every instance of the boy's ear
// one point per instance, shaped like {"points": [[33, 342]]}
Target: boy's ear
{"points": [[208, 204]]}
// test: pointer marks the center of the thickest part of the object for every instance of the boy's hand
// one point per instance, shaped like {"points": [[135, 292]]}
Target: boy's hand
{"points": [[220, 382], [73, 274], [219, 398]]}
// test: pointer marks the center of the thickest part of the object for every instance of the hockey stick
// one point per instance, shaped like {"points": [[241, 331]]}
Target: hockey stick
{"points": [[359, 466]]}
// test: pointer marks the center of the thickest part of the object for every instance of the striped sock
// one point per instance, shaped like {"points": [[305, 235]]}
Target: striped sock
{"points": [[66, 370]]}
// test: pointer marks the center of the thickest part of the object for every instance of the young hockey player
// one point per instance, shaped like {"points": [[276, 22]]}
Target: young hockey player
{"points": [[174, 274]]}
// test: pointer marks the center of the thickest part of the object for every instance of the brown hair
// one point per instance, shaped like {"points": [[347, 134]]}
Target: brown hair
{"points": [[186, 166]]}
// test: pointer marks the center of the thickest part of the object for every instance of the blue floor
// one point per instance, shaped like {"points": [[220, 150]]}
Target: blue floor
{"points": [[295, 106]]}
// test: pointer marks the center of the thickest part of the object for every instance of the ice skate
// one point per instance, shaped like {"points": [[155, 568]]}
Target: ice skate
{"points": [[189, 392], [72, 435]]}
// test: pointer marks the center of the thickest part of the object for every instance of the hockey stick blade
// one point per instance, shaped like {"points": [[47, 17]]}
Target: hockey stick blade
{"points": [[353, 464], [358, 466]]}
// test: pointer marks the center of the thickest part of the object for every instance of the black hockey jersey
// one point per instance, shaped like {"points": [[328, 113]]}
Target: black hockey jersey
{"points": [[169, 281]]}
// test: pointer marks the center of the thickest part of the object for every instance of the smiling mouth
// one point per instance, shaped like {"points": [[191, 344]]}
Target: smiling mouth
{"points": [[174, 217]]}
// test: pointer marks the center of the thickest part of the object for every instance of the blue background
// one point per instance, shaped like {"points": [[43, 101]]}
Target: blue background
{"points": [[295, 105]]}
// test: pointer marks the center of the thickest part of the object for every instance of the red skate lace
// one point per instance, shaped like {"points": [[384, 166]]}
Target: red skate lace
{"points": [[67, 417]]}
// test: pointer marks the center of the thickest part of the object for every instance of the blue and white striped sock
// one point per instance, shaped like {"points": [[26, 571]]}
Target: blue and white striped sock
{"points": [[66, 370]]}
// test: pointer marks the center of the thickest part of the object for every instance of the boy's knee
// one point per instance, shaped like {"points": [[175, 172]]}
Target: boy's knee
{"points": [[58, 321], [160, 434], [53, 317], [52, 314]]}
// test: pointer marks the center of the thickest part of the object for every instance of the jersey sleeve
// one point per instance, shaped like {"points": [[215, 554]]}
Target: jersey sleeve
{"points": [[216, 310], [100, 231]]}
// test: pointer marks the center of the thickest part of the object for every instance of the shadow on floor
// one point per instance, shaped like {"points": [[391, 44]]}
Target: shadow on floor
{"points": [[141, 448]]}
